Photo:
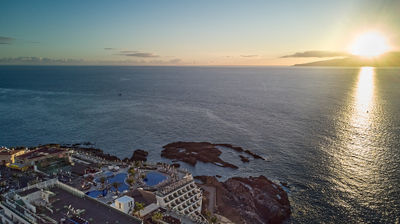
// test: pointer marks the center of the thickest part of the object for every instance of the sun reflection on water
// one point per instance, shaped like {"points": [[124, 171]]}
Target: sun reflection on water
{"points": [[360, 135], [364, 91], [355, 167]]}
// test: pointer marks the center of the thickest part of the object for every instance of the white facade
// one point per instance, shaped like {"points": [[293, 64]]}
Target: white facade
{"points": [[185, 197], [124, 204]]}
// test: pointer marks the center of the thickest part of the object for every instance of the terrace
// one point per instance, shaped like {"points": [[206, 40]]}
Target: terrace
{"points": [[64, 203], [94, 211]]}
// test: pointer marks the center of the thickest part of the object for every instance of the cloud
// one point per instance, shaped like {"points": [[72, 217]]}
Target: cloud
{"points": [[109, 48], [126, 52], [249, 56], [175, 61], [389, 59], [67, 61], [6, 40], [138, 54], [316, 54], [39, 61]]}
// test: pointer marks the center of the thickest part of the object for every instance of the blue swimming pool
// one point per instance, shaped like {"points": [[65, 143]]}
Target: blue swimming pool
{"points": [[154, 178], [120, 178], [97, 193]]}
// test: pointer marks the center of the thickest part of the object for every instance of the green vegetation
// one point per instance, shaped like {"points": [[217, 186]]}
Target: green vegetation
{"points": [[138, 206], [211, 218], [137, 164], [102, 181], [156, 216], [132, 171], [116, 185], [130, 181]]}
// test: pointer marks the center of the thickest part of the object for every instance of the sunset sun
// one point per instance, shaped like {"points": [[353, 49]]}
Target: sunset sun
{"points": [[369, 44]]}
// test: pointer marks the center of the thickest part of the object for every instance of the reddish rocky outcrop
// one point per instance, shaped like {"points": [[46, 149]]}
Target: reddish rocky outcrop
{"points": [[139, 155], [240, 149], [249, 200], [244, 159], [255, 156], [191, 152]]}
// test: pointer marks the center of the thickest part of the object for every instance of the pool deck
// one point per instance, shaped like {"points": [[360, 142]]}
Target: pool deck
{"points": [[111, 195]]}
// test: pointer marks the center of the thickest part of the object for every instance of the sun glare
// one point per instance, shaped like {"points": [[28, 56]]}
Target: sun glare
{"points": [[369, 44]]}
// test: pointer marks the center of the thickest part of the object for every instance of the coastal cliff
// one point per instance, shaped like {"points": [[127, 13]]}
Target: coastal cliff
{"points": [[252, 200]]}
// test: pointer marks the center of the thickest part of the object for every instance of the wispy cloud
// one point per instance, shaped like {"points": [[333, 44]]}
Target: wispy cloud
{"points": [[67, 61], [109, 48], [6, 40], [138, 54], [249, 56], [126, 52], [175, 61], [39, 60], [316, 54]]}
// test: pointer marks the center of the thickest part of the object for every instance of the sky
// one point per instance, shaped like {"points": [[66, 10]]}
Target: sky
{"points": [[215, 32]]}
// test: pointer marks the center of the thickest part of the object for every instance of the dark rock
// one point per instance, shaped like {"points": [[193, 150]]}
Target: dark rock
{"points": [[191, 152], [244, 159], [236, 148], [139, 155], [240, 149], [249, 200], [87, 143], [176, 165], [285, 184], [255, 156], [98, 153]]}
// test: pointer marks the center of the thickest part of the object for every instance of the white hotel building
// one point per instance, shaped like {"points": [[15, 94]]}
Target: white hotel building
{"points": [[183, 197]]}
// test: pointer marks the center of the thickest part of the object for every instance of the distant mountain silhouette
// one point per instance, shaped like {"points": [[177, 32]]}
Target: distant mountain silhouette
{"points": [[390, 59]]}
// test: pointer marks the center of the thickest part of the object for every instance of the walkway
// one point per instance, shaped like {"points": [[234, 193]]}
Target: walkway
{"points": [[212, 197]]}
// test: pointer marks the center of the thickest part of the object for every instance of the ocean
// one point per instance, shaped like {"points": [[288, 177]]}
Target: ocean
{"points": [[332, 134]]}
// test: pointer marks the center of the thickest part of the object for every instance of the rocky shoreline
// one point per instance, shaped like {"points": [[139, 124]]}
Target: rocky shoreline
{"points": [[206, 152], [87, 147], [192, 152], [241, 200], [248, 200]]}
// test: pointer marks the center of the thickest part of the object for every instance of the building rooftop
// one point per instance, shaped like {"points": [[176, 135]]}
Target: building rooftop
{"points": [[40, 152], [142, 196], [27, 192], [148, 209], [124, 199], [93, 211], [8, 152]]}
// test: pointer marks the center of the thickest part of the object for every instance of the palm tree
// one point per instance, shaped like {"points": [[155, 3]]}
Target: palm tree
{"points": [[132, 171], [156, 217], [138, 206], [137, 163], [116, 185], [130, 181], [102, 181]]}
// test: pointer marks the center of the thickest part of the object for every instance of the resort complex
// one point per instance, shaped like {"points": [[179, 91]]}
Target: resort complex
{"points": [[67, 185]]}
